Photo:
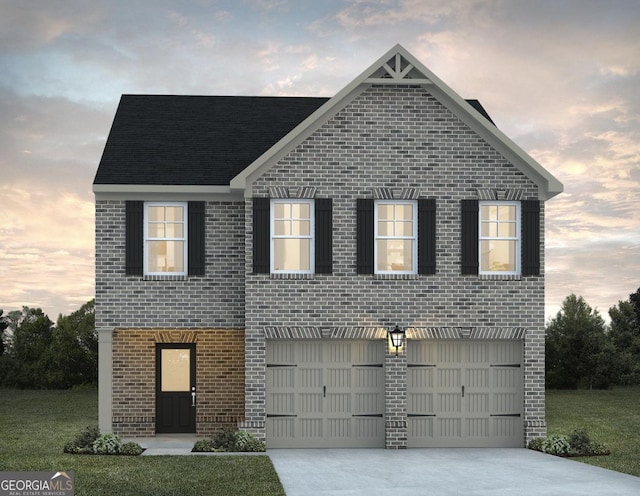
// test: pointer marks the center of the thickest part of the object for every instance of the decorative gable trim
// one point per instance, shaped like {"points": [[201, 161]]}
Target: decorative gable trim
{"points": [[398, 70]]}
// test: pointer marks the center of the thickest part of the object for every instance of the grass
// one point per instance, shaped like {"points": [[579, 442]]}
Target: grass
{"points": [[35, 425], [611, 417]]}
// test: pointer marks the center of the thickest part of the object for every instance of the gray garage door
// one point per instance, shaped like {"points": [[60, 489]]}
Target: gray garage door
{"points": [[325, 394], [464, 394]]}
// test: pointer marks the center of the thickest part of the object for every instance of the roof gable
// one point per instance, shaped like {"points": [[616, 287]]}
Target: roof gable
{"points": [[398, 67]]}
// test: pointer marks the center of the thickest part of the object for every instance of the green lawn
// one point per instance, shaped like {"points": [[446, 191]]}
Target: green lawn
{"points": [[34, 426], [610, 417]]}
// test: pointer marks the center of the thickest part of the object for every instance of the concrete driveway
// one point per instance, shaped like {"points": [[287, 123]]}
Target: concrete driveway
{"points": [[443, 472]]}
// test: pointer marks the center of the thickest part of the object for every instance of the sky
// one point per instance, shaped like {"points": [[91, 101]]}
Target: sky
{"points": [[559, 77]]}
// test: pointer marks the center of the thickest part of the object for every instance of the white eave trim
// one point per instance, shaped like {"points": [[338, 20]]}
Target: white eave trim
{"points": [[164, 192]]}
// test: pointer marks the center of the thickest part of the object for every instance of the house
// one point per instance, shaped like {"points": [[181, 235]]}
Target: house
{"points": [[253, 253]]}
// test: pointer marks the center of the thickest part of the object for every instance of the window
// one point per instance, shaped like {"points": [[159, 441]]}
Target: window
{"points": [[395, 237], [165, 238], [499, 239], [292, 236]]}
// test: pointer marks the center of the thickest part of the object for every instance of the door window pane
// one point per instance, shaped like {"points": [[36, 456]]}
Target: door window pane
{"points": [[175, 374]]}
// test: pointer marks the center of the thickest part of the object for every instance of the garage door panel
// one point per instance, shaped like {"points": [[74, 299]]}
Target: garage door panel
{"points": [[505, 403], [478, 427], [477, 353], [309, 353], [476, 378], [282, 403], [473, 398], [420, 402], [339, 378], [310, 378], [338, 390], [449, 378], [507, 378], [339, 403], [281, 353], [477, 402], [448, 352], [366, 352]]}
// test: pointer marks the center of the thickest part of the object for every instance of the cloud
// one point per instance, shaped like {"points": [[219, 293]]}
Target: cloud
{"points": [[560, 78]]}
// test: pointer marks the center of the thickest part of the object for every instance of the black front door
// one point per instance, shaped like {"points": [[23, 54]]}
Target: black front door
{"points": [[175, 388]]}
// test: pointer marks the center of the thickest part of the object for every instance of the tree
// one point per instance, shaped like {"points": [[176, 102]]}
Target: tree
{"points": [[3, 326], [625, 336], [578, 351], [42, 356], [73, 355], [32, 338]]}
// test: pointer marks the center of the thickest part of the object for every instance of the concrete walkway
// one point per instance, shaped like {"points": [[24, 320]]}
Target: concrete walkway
{"points": [[443, 472]]}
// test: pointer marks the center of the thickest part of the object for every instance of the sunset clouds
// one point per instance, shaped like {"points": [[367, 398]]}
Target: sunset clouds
{"points": [[560, 77]]}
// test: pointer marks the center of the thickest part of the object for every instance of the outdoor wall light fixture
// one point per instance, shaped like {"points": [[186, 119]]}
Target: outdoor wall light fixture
{"points": [[397, 337]]}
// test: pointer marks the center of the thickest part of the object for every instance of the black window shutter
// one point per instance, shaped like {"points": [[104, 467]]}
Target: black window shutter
{"points": [[324, 236], [364, 234], [530, 211], [469, 239], [134, 219], [196, 238], [261, 235], [427, 236]]}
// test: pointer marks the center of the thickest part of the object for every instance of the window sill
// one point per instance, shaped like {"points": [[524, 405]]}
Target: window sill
{"points": [[402, 277], [167, 277], [500, 277], [279, 275]]}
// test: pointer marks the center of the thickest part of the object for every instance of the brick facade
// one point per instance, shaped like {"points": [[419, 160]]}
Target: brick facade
{"points": [[395, 139], [210, 301], [388, 142], [219, 371]]}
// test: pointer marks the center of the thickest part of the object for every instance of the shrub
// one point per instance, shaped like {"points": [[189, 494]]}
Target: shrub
{"points": [[537, 444], [228, 439], [579, 441], [245, 441], [83, 443], [557, 445], [225, 439], [203, 445], [107, 444], [131, 449]]}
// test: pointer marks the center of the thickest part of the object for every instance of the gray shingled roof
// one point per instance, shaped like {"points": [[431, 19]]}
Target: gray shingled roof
{"points": [[197, 140]]}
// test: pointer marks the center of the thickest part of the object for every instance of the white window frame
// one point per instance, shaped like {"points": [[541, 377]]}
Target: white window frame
{"points": [[310, 236], [184, 237], [413, 238], [517, 238]]}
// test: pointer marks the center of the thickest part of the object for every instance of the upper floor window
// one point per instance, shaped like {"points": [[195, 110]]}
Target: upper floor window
{"points": [[165, 238], [292, 236], [499, 239], [396, 234]]}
